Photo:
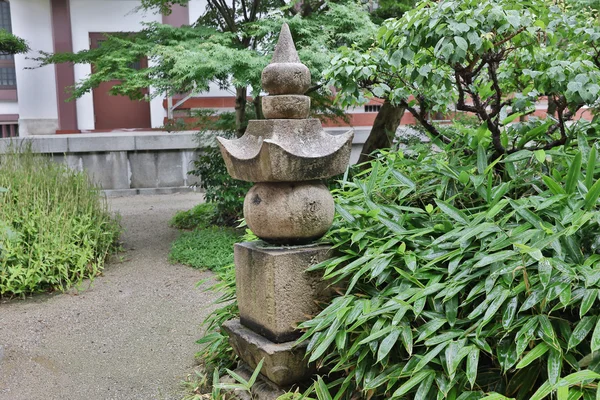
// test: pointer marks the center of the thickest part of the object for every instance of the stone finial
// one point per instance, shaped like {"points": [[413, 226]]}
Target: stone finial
{"points": [[285, 51], [286, 74]]}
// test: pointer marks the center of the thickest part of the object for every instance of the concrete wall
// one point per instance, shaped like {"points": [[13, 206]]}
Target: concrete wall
{"points": [[123, 163], [36, 88]]}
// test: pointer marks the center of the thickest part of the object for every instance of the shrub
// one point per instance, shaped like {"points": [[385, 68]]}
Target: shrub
{"points": [[201, 216], [226, 193], [55, 230], [466, 280]]}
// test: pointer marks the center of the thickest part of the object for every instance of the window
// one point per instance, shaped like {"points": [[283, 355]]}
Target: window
{"points": [[8, 77], [372, 108]]}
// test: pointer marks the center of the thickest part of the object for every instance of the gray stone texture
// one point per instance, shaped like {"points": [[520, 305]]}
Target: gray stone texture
{"points": [[285, 51], [289, 212], [286, 150], [286, 78], [274, 291], [286, 74], [284, 363], [109, 170], [286, 107]]}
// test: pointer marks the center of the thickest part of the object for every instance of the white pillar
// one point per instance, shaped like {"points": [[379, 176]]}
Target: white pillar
{"points": [[36, 88]]}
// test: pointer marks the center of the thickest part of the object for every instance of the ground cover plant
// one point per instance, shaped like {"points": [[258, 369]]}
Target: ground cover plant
{"points": [[55, 229], [200, 216], [205, 248], [463, 282]]}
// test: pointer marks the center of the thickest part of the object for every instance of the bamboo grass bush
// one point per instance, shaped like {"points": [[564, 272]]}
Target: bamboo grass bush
{"points": [[467, 278], [55, 229]]}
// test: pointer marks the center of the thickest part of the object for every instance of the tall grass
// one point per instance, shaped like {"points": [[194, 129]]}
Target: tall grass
{"points": [[55, 229]]}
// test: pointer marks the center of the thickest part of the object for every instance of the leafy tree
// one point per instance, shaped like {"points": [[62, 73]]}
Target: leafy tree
{"points": [[496, 60], [230, 44], [11, 44]]}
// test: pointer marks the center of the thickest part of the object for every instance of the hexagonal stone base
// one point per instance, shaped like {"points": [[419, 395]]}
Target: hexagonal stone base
{"points": [[284, 364], [274, 291]]}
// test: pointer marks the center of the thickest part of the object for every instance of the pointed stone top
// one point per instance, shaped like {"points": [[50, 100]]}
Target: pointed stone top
{"points": [[285, 51]]}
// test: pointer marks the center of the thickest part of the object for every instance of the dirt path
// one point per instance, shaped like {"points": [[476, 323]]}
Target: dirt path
{"points": [[129, 336]]}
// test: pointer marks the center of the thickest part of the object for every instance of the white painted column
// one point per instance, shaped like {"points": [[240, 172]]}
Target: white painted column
{"points": [[36, 88]]}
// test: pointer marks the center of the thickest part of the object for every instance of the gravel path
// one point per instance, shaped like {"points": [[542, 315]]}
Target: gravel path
{"points": [[130, 335]]}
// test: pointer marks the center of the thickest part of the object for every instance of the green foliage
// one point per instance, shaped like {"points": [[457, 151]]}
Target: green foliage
{"points": [[463, 283], [391, 9], [55, 229], [11, 44], [494, 59], [199, 217], [208, 248], [227, 194]]}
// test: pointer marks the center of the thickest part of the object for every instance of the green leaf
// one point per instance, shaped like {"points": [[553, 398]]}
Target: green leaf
{"points": [[588, 300], [554, 187], [533, 355], [544, 271], [511, 118], [377, 335], [387, 344], [591, 166], [554, 366], [509, 312], [482, 160], [322, 390], [411, 383], [581, 331], [544, 390], [540, 155], [472, 365], [595, 344], [452, 212], [424, 387], [500, 256], [563, 393], [591, 198], [430, 356], [573, 174], [578, 377], [407, 337], [257, 370], [461, 43]]}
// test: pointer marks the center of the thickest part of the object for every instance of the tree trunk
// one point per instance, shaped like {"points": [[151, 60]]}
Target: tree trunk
{"points": [[240, 110], [383, 130], [258, 107]]}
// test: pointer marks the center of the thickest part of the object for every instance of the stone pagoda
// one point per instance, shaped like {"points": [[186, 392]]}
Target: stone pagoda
{"points": [[286, 156]]}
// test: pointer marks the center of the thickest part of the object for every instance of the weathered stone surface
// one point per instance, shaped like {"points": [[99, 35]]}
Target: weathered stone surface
{"points": [[286, 150], [286, 107], [285, 51], [286, 78], [274, 291], [284, 363], [286, 74], [263, 388], [290, 213]]}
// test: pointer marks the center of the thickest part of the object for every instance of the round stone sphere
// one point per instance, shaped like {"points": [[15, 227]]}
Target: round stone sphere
{"points": [[286, 78], [289, 213]]}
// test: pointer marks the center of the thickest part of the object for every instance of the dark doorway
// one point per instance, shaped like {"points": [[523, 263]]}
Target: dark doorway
{"points": [[118, 112]]}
